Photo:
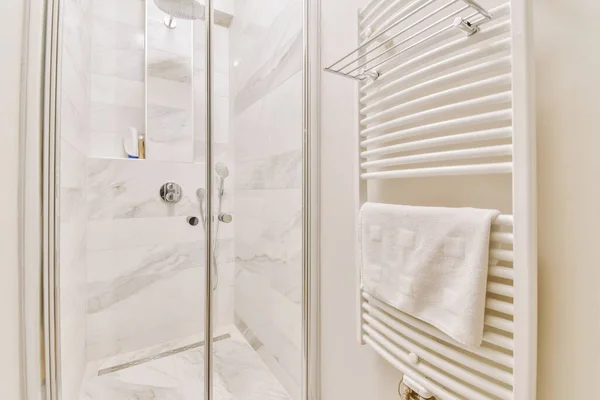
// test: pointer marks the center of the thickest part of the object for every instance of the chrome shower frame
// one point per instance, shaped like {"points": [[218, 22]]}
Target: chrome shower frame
{"points": [[38, 231]]}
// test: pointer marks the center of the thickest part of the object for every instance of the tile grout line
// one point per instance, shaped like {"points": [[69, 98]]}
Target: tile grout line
{"points": [[144, 360]]}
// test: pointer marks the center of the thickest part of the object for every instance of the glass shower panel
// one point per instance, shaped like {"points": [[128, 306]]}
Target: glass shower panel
{"points": [[134, 200], [170, 87], [131, 249], [258, 131]]}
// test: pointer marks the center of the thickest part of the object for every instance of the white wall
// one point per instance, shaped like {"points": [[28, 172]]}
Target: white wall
{"points": [[568, 93], [10, 68]]}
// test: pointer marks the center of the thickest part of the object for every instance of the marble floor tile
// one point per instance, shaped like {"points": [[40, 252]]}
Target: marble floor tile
{"points": [[240, 374]]}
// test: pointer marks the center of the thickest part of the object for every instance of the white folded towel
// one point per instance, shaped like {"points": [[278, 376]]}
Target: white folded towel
{"points": [[429, 262]]}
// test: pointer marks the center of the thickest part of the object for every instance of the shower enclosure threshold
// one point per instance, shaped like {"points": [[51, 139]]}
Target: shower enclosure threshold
{"points": [[175, 372]]}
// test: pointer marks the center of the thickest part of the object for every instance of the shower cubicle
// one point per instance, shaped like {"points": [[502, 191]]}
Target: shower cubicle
{"points": [[178, 191]]}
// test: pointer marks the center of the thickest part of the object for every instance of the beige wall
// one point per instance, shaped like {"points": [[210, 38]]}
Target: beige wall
{"points": [[568, 115], [10, 59], [349, 371]]}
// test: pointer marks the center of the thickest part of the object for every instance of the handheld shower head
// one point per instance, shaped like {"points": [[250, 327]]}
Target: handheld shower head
{"points": [[182, 9], [200, 193], [222, 170]]}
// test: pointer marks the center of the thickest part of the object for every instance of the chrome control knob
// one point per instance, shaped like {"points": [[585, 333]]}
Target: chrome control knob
{"points": [[170, 192], [193, 221], [225, 217]]}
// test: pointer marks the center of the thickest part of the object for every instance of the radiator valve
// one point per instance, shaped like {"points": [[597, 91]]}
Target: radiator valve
{"points": [[411, 390]]}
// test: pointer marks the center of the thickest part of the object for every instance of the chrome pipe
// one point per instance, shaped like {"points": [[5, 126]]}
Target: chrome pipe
{"points": [[208, 305], [371, 40], [407, 16], [480, 10], [411, 36]]}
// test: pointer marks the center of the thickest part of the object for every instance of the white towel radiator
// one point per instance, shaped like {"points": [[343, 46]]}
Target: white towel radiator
{"points": [[444, 92]]}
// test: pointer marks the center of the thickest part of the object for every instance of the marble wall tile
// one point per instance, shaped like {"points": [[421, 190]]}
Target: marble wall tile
{"points": [[275, 71], [103, 144], [268, 225], [117, 91], [170, 89], [273, 54], [227, 6], [268, 140], [148, 309], [281, 171], [130, 188], [253, 19], [277, 327], [129, 12], [221, 113], [73, 126], [221, 47], [118, 74], [145, 267], [268, 281], [170, 67], [75, 103], [170, 134], [111, 234], [75, 72], [266, 131], [138, 247], [120, 63], [177, 41], [114, 120], [272, 125], [109, 33], [76, 34]]}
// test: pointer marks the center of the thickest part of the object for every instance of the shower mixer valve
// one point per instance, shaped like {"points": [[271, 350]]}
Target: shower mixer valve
{"points": [[170, 192]]}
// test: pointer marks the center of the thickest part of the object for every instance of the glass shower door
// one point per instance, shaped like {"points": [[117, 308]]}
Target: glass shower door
{"points": [[180, 146], [257, 116], [132, 258]]}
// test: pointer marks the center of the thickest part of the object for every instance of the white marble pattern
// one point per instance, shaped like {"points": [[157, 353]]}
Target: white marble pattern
{"points": [[266, 131], [146, 263], [72, 198], [170, 89], [137, 311], [118, 91], [107, 32], [126, 64], [239, 375], [268, 139], [115, 119], [169, 66], [268, 273], [130, 12], [106, 144], [130, 188], [118, 73], [170, 134], [221, 47], [177, 41], [265, 56]]}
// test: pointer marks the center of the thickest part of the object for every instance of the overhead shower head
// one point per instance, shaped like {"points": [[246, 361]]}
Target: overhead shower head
{"points": [[222, 170], [182, 9]]}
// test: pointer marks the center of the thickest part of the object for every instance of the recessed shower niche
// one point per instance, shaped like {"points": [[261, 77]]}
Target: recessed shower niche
{"points": [[132, 267]]}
